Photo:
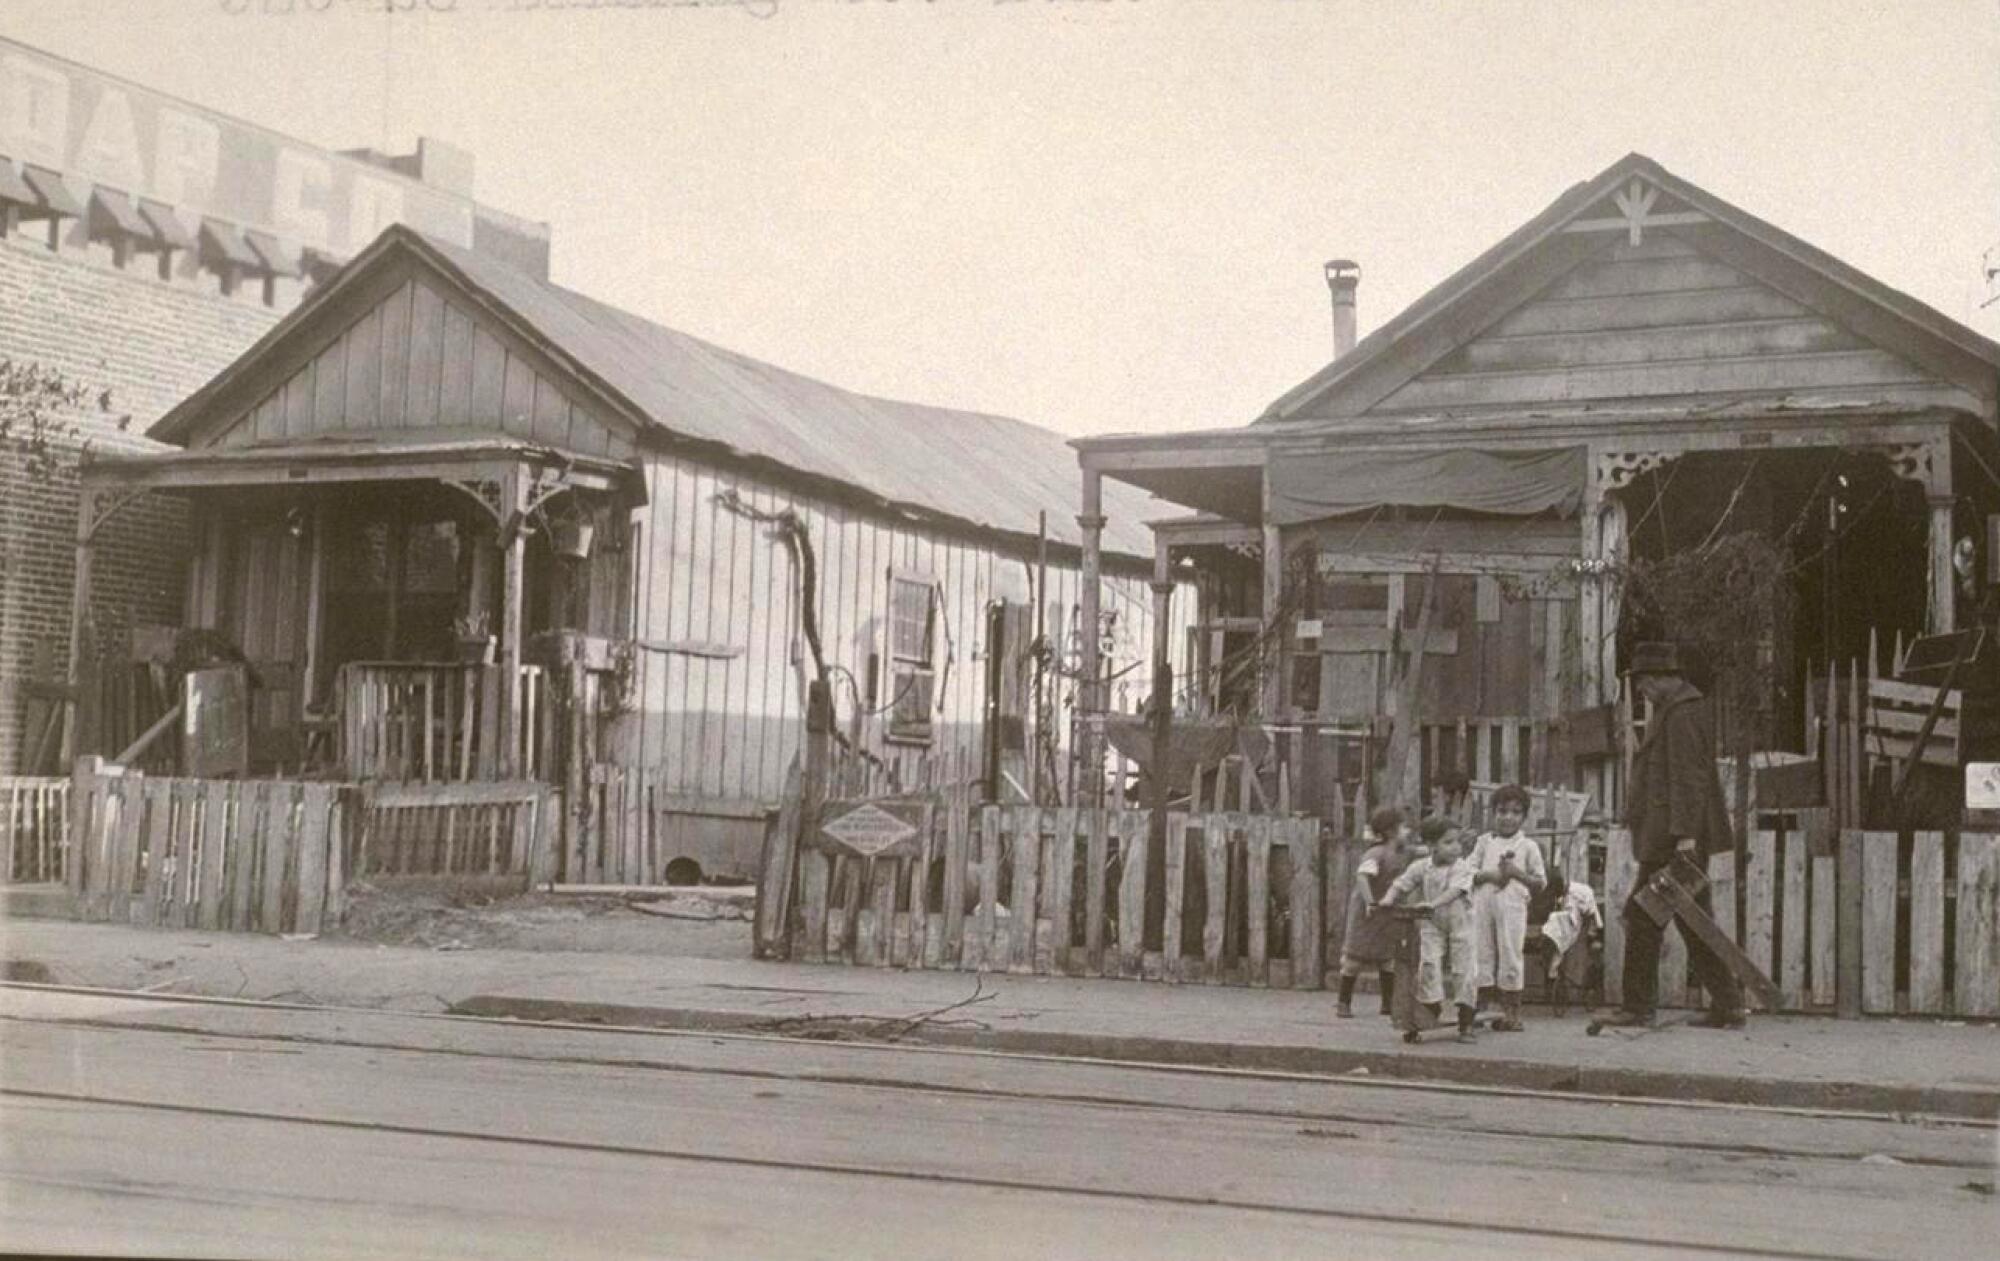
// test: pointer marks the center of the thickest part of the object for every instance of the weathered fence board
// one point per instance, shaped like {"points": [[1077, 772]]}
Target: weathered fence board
{"points": [[1015, 869], [1977, 988], [1878, 922], [34, 828], [214, 854]]}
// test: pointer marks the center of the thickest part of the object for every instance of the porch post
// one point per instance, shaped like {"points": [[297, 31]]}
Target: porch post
{"points": [[79, 614], [1274, 593], [1939, 614], [514, 552], [1089, 752]]}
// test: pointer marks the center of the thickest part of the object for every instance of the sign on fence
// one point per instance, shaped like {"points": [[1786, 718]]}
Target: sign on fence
{"points": [[873, 827]]}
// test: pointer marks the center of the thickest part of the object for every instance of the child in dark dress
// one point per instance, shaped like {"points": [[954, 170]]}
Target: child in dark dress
{"points": [[1371, 940]]}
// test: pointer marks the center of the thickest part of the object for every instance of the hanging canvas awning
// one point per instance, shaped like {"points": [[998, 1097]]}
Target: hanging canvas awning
{"points": [[1514, 483]]}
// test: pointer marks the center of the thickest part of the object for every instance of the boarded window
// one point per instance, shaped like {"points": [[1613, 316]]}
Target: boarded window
{"points": [[912, 638]]}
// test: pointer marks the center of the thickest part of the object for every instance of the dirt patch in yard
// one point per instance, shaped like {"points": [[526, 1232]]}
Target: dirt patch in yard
{"points": [[466, 917]]}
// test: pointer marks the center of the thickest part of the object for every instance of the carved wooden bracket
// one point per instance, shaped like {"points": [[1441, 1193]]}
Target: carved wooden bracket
{"points": [[1618, 469]]}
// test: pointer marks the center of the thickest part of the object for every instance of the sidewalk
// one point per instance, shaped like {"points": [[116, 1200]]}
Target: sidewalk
{"points": [[1884, 1066]]}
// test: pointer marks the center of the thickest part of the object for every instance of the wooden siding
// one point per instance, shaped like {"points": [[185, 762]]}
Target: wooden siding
{"points": [[1656, 319], [417, 360], [727, 727]]}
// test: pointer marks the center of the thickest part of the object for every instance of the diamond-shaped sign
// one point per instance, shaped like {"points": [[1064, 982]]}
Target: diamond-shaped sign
{"points": [[867, 829]]}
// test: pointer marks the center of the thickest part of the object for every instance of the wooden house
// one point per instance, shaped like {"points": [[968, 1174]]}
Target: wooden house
{"points": [[465, 524], [1637, 368]]}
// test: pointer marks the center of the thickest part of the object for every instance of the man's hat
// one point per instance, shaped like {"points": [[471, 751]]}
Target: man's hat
{"points": [[1655, 658]]}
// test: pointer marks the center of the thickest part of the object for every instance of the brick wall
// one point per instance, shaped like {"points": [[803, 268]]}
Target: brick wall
{"points": [[138, 344]]}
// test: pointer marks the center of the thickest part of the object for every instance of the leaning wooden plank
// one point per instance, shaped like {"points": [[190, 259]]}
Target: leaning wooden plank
{"points": [[1760, 899], [1976, 989], [246, 831], [1257, 900], [815, 872], [179, 853], [882, 883], [1821, 969], [776, 876], [1096, 857], [1026, 847], [1176, 877], [153, 852], [1064, 875], [339, 818], [919, 877], [981, 949], [1339, 859], [215, 855], [1307, 968], [1045, 850], [1215, 833], [1927, 925], [1791, 973], [1131, 891], [1620, 869], [280, 842], [957, 853], [1722, 893], [1878, 923], [316, 803]]}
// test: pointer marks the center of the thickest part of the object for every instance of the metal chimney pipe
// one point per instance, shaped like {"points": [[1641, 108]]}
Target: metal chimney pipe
{"points": [[1343, 276]]}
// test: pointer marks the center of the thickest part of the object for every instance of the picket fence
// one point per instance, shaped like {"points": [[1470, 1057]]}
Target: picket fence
{"points": [[34, 828], [1860, 922], [1064, 891], [250, 855], [277, 856]]}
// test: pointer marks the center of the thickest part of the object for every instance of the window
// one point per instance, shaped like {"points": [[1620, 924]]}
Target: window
{"points": [[912, 635]]}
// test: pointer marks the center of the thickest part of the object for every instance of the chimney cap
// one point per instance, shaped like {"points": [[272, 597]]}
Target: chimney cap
{"points": [[1342, 269]]}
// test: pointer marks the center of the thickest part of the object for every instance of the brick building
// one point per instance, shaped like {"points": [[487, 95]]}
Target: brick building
{"points": [[146, 243]]}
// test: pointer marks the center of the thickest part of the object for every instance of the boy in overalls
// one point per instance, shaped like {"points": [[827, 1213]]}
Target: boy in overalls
{"points": [[1509, 870], [1443, 888]]}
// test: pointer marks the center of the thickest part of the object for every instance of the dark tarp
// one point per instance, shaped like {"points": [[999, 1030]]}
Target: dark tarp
{"points": [[1513, 483]]}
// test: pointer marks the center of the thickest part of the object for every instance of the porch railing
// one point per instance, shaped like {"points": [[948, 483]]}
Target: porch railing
{"points": [[439, 722]]}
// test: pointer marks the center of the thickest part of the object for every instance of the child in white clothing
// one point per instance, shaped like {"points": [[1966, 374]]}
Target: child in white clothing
{"points": [[1509, 872], [1443, 888]]}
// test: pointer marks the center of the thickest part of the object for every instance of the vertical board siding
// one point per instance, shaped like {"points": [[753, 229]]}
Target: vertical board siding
{"points": [[728, 727], [417, 360]]}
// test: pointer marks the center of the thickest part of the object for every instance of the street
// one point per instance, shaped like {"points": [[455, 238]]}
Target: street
{"points": [[171, 1127]]}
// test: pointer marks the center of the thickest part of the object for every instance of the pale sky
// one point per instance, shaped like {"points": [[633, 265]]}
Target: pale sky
{"points": [[1099, 215]]}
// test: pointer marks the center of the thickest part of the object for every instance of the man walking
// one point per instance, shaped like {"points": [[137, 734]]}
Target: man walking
{"points": [[1674, 805]]}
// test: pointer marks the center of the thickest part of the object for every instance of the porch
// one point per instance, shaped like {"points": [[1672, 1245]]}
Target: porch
{"points": [[402, 612]]}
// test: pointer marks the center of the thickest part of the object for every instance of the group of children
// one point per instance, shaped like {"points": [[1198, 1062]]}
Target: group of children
{"points": [[1472, 907]]}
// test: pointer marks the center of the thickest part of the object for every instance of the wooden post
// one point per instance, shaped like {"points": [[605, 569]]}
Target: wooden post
{"points": [[1274, 595], [1089, 752], [315, 598], [1939, 614], [1162, 719], [79, 615], [1847, 926], [514, 542]]}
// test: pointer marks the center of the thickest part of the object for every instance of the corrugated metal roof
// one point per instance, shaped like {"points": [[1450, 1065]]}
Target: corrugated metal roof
{"points": [[989, 470]]}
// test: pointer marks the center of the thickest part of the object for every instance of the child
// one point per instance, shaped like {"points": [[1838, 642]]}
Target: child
{"points": [[1371, 940], [1444, 887], [1568, 928], [1509, 872]]}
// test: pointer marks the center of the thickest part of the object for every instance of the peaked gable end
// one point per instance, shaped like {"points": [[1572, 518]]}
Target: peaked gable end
{"points": [[1656, 319], [408, 356], [1637, 285]]}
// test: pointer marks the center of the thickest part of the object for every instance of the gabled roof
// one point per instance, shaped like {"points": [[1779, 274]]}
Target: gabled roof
{"points": [[1466, 300], [984, 470]]}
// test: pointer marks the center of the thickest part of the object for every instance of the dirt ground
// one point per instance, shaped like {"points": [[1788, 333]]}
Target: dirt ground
{"points": [[463, 917]]}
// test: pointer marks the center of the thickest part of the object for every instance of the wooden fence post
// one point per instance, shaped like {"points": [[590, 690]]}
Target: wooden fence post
{"points": [[1847, 925]]}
